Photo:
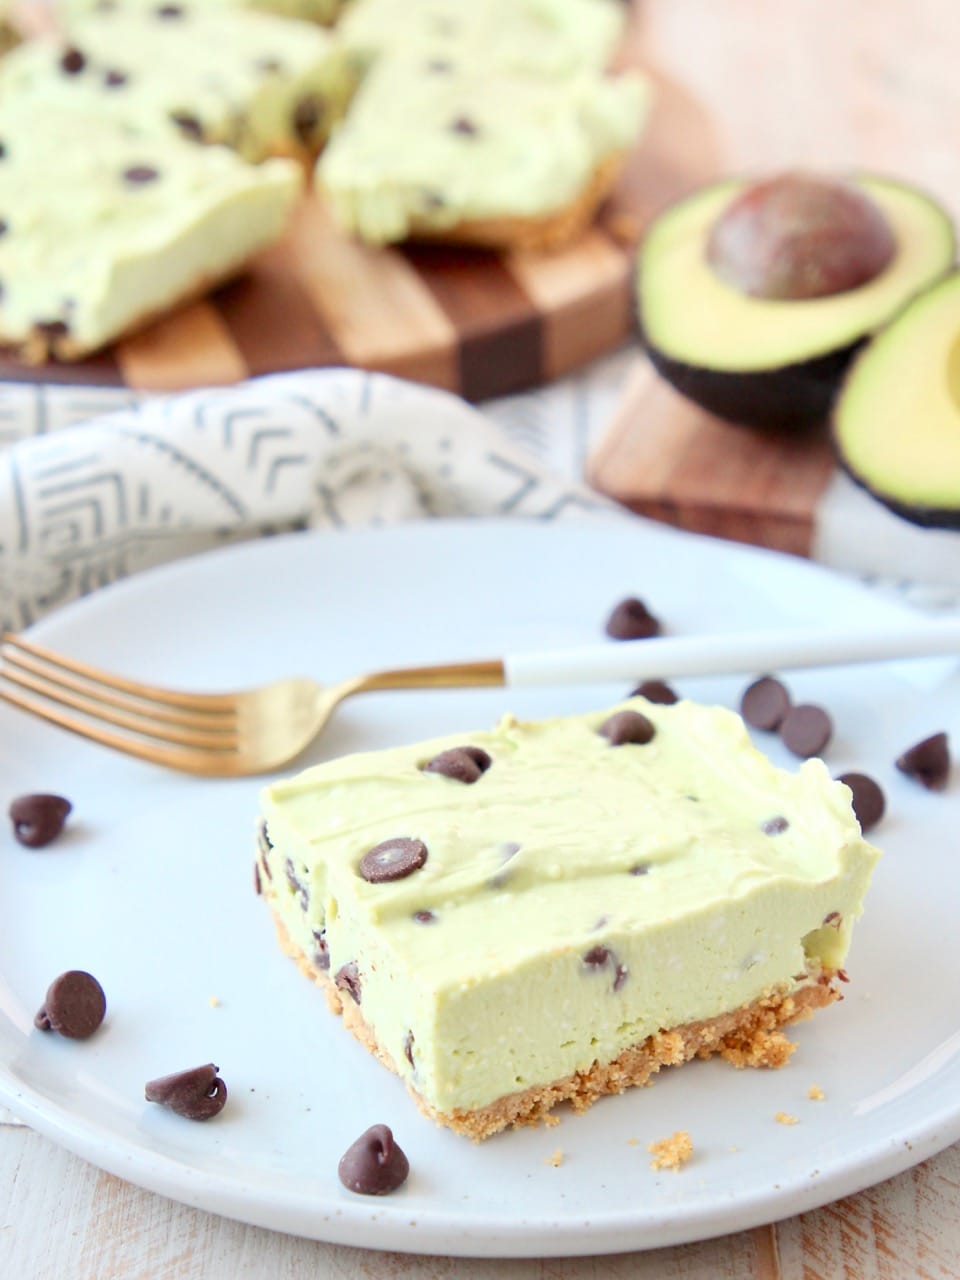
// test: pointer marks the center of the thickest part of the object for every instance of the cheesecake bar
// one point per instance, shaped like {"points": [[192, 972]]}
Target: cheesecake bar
{"points": [[261, 85], [541, 37], [105, 224], [433, 149], [552, 911]]}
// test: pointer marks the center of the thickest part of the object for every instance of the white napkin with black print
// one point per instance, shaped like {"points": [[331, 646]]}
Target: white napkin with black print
{"points": [[87, 497]]}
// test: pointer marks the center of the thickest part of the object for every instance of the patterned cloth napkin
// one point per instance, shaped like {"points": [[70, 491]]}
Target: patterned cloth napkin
{"points": [[95, 485]]}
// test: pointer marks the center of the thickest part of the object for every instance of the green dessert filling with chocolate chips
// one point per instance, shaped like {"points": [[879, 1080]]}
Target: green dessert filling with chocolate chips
{"points": [[430, 145], [96, 236], [511, 907], [259, 84]]}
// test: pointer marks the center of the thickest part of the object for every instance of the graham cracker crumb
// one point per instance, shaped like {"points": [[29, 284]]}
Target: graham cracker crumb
{"points": [[213, 1002], [556, 1159], [672, 1152], [784, 1117], [551, 1121], [815, 1093]]}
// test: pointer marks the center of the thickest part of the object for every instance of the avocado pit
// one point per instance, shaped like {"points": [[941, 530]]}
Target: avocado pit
{"points": [[800, 236]]}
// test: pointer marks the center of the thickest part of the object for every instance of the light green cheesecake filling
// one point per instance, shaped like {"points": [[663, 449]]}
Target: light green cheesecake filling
{"points": [[537, 37], [653, 859], [260, 84], [105, 223], [323, 11], [427, 146]]}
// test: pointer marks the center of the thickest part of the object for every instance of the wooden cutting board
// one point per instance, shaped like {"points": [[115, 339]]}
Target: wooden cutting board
{"points": [[480, 324], [665, 458]]}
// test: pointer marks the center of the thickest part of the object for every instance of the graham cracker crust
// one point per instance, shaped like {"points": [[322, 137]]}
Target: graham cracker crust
{"points": [[750, 1036]]}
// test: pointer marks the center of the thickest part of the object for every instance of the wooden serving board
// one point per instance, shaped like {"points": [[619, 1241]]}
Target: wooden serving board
{"points": [[665, 458], [477, 323]]}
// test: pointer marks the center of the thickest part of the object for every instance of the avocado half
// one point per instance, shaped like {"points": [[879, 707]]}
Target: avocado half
{"points": [[773, 365], [896, 421]]}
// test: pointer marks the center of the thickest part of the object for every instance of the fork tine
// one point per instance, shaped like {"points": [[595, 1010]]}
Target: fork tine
{"points": [[16, 648], [140, 722], [211, 764], [25, 669]]}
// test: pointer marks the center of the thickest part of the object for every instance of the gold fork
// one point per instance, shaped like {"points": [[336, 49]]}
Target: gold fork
{"points": [[258, 730]]}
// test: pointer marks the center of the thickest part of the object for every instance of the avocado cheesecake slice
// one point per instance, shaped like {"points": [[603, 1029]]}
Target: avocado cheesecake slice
{"points": [[105, 223], [753, 298], [552, 911], [261, 85]]}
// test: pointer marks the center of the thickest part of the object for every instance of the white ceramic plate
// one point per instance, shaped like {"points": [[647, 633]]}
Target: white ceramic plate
{"points": [[151, 891]]}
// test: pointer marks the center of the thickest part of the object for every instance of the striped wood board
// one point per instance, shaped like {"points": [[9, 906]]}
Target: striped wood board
{"points": [[476, 323], [665, 458]]}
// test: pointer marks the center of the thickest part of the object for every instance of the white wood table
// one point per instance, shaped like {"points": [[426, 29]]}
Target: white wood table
{"points": [[854, 83]]}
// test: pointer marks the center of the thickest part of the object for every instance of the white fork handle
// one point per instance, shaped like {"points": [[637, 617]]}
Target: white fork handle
{"points": [[750, 652]]}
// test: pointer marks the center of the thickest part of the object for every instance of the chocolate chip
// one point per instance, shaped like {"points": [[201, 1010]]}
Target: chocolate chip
{"points": [[169, 11], [632, 620], [322, 952], [598, 957], [656, 691], [834, 919], [115, 79], [393, 859], [408, 1048], [138, 174], [424, 917], [640, 869], [3, 150], [464, 764], [439, 66], [347, 978], [627, 727], [187, 124], [374, 1165], [257, 886], [465, 126], [307, 115], [774, 826], [869, 802], [52, 328], [197, 1094], [928, 762], [4, 226], [38, 819], [297, 885], [74, 1005], [765, 703], [806, 730], [72, 62], [269, 66]]}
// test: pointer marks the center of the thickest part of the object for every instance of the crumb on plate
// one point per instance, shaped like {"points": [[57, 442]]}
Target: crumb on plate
{"points": [[784, 1117], [815, 1093], [556, 1159], [672, 1152]]}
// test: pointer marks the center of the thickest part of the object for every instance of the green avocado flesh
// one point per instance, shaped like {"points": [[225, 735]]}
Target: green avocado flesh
{"points": [[689, 314], [897, 421]]}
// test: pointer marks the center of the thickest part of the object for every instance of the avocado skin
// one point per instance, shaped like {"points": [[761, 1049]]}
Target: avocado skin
{"points": [[925, 517], [794, 398]]}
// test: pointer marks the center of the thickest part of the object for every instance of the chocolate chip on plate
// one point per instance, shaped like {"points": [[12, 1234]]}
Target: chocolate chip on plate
{"points": [[464, 764], [393, 859], [632, 620], [74, 1005], [627, 727], [196, 1094], [869, 803], [806, 730], [765, 703], [72, 62], [928, 762], [38, 819], [138, 174], [374, 1165], [774, 826], [657, 691]]}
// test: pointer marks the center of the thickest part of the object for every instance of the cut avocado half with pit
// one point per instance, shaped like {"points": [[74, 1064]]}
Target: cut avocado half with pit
{"points": [[896, 422], [773, 364]]}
